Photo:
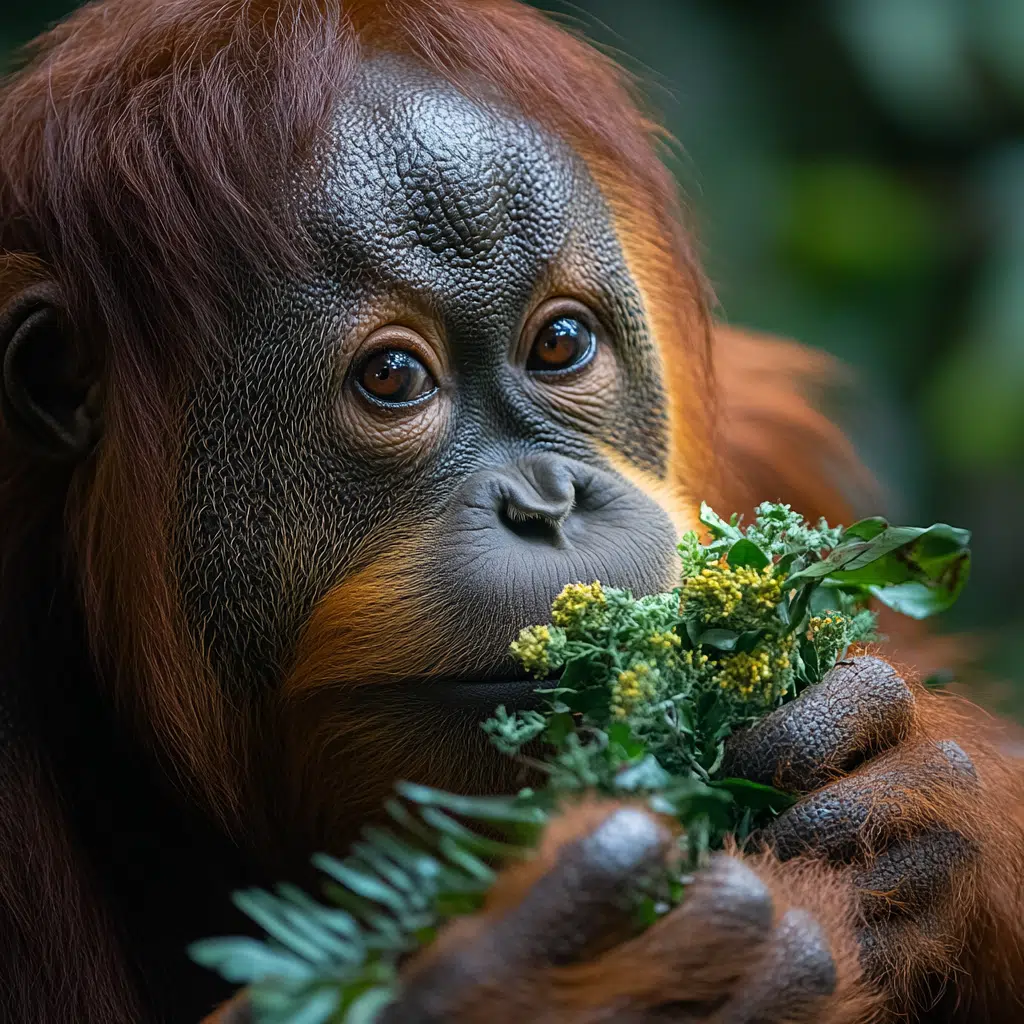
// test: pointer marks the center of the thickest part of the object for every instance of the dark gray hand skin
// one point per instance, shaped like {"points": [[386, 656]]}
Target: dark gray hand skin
{"points": [[456, 220], [858, 720]]}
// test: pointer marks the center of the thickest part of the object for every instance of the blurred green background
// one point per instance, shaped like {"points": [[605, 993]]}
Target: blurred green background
{"points": [[855, 170]]}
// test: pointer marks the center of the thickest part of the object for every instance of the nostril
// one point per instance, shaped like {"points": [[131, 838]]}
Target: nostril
{"points": [[532, 520], [535, 505]]}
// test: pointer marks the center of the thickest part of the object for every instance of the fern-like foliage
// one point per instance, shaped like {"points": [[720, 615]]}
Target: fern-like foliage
{"points": [[339, 961]]}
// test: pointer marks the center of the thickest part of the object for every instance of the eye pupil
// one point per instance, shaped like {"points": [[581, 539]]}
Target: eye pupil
{"points": [[560, 345], [396, 377]]}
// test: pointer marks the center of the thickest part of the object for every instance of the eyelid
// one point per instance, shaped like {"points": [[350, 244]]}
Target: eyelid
{"points": [[567, 371], [554, 309], [382, 403], [407, 339]]}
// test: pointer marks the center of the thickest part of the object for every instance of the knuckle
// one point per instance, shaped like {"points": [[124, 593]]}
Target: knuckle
{"points": [[862, 707], [584, 898], [957, 759], [796, 975], [804, 950], [913, 875], [733, 895], [868, 682], [627, 841], [828, 822]]}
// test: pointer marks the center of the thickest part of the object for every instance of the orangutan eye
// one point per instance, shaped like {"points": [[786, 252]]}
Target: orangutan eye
{"points": [[562, 345], [393, 376]]}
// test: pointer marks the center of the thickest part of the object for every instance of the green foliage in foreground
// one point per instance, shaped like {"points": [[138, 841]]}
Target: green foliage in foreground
{"points": [[638, 698]]}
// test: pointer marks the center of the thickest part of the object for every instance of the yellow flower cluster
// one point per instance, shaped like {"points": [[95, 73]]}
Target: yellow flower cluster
{"points": [[722, 591], [829, 634], [826, 624], [664, 641], [746, 674], [632, 687], [575, 601], [693, 659], [532, 648]]}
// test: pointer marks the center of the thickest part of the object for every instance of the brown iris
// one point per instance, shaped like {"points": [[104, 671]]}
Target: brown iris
{"points": [[395, 377], [562, 344]]}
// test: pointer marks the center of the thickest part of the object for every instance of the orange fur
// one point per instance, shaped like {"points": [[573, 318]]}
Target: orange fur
{"points": [[774, 442]]}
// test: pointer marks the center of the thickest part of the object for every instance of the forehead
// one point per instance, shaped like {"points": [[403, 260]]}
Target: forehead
{"points": [[435, 190]]}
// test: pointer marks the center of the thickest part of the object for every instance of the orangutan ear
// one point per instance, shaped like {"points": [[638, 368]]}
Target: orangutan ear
{"points": [[48, 397]]}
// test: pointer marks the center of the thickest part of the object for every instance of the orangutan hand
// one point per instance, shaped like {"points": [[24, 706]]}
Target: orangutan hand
{"points": [[847, 907]]}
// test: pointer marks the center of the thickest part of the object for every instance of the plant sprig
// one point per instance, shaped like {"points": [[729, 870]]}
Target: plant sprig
{"points": [[638, 698]]}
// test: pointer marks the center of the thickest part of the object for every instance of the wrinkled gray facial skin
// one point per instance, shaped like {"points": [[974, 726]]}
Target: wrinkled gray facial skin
{"points": [[432, 208]]}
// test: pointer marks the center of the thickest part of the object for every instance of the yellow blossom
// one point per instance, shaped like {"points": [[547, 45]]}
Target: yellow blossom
{"points": [[632, 687], [664, 641], [575, 601], [828, 629], [532, 648], [761, 673], [743, 673], [721, 592]]}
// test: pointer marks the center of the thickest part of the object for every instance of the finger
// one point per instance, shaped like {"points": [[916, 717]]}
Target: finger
{"points": [[696, 954], [588, 894], [867, 811], [913, 875], [793, 980], [859, 709], [897, 950], [575, 906]]}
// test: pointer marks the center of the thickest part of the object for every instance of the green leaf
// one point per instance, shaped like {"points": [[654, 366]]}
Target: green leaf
{"points": [[936, 559], [916, 600], [362, 883], [274, 917], [462, 858], [717, 525], [722, 639], [317, 1008], [579, 673], [689, 799], [745, 553], [809, 656], [754, 795], [244, 961], [480, 808], [367, 1008], [749, 639], [866, 529], [559, 726], [796, 610], [913, 551], [620, 736], [647, 775]]}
